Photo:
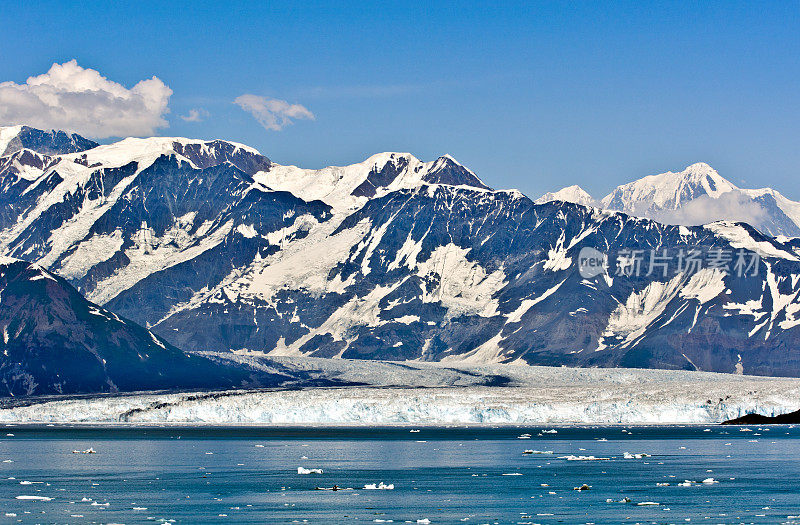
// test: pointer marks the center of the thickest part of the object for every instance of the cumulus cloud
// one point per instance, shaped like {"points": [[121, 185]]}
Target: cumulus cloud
{"points": [[196, 115], [79, 99], [272, 113], [730, 206]]}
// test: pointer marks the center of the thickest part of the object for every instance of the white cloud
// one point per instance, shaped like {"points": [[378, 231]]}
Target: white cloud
{"points": [[73, 98], [196, 115], [272, 113], [731, 206]]}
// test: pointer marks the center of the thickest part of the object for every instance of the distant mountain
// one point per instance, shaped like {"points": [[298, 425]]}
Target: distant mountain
{"points": [[574, 194], [697, 195], [215, 247]]}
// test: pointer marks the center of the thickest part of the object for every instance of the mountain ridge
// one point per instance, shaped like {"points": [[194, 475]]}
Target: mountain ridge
{"points": [[217, 248]]}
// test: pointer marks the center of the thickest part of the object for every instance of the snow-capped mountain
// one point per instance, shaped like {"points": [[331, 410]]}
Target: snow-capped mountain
{"points": [[574, 194], [215, 247], [697, 195]]}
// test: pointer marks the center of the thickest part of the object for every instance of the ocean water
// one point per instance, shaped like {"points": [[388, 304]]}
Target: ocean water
{"points": [[444, 475]]}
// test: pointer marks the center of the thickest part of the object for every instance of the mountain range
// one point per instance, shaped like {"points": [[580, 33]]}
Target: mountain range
{"points": [[212, 246]]}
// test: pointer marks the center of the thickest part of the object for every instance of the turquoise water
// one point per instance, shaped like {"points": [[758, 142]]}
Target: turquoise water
{"points": [[445, 475]]}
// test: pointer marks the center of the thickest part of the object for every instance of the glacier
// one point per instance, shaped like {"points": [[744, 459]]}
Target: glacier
{"points": [[437, 394]]}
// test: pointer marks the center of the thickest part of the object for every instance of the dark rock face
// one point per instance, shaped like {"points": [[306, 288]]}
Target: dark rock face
{"points": [[447, 171], [218, 152], [48, 142], [56, 342]]}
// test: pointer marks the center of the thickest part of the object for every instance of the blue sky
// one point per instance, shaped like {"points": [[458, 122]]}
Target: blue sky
{"points": [[532, 96]]}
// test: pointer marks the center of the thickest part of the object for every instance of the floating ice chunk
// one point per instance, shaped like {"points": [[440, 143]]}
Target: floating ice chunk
{"points": [[686, 483], [524, 436], [710, 481], [628, 455], [551, 431], [424, 521], [512, 474], [648, 504], [662, 484], [301, 470], [414, 430], [379, 486], [35, 498], [572, 457], [87, 451]]}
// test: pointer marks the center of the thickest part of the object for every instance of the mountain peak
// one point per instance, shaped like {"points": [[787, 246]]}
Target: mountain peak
{"points": [[447, 170], [54, 142], [700, 171], [699, 167], [574, 194], [668, 190]]}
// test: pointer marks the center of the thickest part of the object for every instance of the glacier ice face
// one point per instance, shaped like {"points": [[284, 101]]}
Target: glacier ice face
{"points": [[539, 395]]}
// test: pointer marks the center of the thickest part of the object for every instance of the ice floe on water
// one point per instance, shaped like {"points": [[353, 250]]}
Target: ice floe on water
{"points": [[628, 455], [572, 457], [303, 470], [379, 486]]}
